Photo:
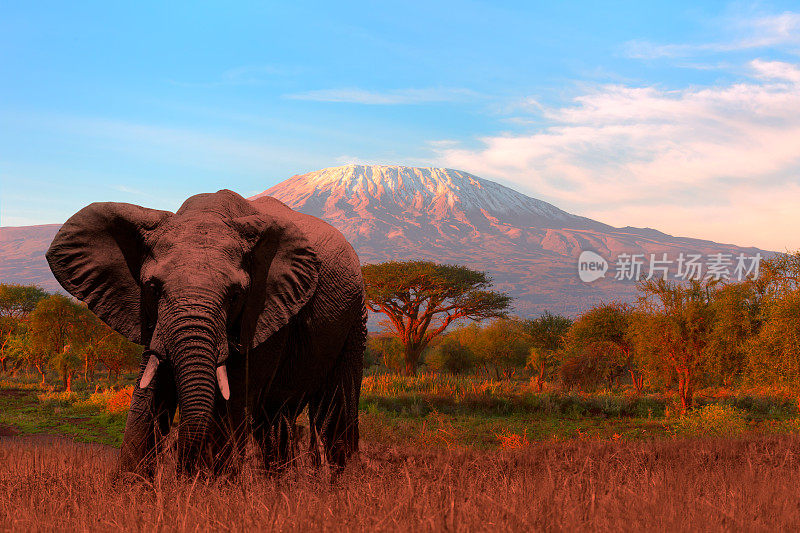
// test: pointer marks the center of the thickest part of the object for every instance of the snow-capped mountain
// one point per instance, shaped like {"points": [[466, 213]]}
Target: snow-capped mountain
{"points": [[443, 198], [529, 247]]}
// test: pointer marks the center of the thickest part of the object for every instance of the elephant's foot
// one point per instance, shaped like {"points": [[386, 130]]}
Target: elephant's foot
{"points": [[333, 412]]}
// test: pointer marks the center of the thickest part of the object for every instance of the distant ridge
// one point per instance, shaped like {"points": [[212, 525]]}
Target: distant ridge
{"points": [[528, 246]]}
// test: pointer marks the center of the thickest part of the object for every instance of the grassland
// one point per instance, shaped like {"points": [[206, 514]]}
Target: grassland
{"points": [[675, 485], [438, 453]]}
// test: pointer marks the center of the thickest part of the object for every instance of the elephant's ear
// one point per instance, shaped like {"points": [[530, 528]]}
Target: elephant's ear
{"points": [[96, 257], [283, 274]]}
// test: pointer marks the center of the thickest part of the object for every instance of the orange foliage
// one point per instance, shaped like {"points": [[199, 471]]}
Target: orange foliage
{"points": [[120, 400], [512, 441]]}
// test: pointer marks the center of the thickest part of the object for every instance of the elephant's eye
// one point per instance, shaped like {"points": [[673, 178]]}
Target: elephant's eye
{"points": [[153, 287]]}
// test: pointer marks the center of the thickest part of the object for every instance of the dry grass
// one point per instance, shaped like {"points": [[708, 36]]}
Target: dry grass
{"points": [[438, 384], [723, 484]]}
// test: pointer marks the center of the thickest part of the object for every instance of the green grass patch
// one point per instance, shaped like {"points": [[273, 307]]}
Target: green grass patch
{"points": [[23, 411], [434, 411]]}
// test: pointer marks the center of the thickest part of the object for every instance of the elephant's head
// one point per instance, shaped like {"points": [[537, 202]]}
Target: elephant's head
{"points": [[187, 284]]}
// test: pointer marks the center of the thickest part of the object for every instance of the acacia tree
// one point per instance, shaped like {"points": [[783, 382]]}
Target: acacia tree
{"points": [[422, 298], [738, 317], [602, 334], [115, 352], [767, 320], [773, 354], [676, 327], [17, 302], [546, 334], [780, 274], [58, 335]]}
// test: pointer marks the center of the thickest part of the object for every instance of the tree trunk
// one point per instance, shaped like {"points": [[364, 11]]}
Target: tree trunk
{"points": [[411, 355], [69, 382], [638, 381], [3, 352], [685, 390], [540, 379], [411, 368]]}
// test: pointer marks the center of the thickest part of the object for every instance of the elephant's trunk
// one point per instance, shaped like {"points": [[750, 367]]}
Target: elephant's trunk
{"points": [[194, 354]]}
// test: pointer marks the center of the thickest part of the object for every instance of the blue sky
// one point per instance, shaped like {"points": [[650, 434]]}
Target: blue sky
{"points": [[683, 116]]}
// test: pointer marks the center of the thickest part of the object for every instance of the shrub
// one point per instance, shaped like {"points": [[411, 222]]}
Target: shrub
{"points": [[713, 419], [120, 401], [450, 356], [384, 350], [513, 441], [64, 398], [112, 401]]}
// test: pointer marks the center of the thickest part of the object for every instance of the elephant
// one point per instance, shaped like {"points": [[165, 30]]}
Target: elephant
{"points": [[250, 312]]}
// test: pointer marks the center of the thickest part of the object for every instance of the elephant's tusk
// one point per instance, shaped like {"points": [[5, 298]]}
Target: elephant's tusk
{"points": [[149, 371], [222, 379]]}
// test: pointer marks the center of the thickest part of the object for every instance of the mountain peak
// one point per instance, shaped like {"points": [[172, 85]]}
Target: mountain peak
{"points": [[441, 194]]}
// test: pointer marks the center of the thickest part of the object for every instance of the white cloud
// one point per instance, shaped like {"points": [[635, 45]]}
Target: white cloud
{"points": [[776, 70], [669, 159], [393, 97], [752, 33]]}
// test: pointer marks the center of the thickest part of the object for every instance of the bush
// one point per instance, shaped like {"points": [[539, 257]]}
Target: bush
{"points": [[385, 350], [450, 356], [64, 398], [713, 419], [112, 401]]}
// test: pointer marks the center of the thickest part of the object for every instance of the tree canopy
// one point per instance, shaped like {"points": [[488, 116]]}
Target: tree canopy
{"points": [[421, 298], [546, 334], [676, 327], [600, 347], [17, 302]]}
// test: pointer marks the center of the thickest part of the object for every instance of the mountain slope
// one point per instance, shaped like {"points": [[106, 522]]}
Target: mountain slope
{"points": [[529, 247], [22, 259]]}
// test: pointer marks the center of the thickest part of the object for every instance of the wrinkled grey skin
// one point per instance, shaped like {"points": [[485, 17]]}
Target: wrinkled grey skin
{"points": [[273, 295]]}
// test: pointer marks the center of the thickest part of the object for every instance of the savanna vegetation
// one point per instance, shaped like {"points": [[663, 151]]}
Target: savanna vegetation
{"points": [[581, 485], [664, 413], [677, 338]]}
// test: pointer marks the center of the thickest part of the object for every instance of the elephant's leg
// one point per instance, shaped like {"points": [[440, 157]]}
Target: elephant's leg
{"points": [[275, 433], [149, 418], [333, 412]]}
